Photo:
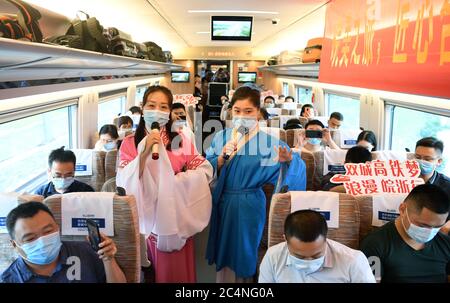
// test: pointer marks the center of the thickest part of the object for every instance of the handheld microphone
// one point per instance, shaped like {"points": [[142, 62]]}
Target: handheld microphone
{"points": [[155, 147], [241, 132]]}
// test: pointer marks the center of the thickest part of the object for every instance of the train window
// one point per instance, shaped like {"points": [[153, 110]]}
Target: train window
{"points": [[140, 91], [405, 133], [110, 108], [26, 143], [304, 94], [285, 88], [347, 106]]}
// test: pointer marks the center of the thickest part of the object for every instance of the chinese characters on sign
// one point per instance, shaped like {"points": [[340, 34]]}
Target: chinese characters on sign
{"points": [[378, 177], [379, 44]]}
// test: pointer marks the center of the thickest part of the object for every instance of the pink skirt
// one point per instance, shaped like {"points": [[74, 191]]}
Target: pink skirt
{"points": [[172, 267]]}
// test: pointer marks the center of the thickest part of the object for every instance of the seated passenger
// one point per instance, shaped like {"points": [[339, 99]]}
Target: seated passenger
{"points": [[44, 258], [307, 111], [293, 124], [411, 249], [307, 144], [280, 99], [61, 172], [429, 155], [289, 99], [125, 125], [269, 102], [135, 113], [367, 140], [356, 154], [108, 138], [178, 116], [335, 121], [308, 256]]}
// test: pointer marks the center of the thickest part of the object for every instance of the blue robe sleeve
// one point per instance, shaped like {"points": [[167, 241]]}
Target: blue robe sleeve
{"points": [[213, 152], [293, 175]]}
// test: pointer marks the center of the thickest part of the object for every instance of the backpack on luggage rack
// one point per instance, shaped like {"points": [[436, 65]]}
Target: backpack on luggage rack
{"points": [[27, 19]]}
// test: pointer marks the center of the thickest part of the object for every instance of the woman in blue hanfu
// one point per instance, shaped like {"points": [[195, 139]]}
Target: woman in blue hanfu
{"points": [[244, 159]]}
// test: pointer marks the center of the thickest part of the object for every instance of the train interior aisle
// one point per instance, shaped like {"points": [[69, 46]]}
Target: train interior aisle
{"points": [[330, 75]]}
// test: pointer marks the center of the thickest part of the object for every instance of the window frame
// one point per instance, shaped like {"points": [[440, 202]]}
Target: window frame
{"points": [[297, 87], [71, 106]]}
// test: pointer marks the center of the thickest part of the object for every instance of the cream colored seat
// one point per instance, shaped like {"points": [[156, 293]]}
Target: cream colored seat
{"points": [[126, 233]]}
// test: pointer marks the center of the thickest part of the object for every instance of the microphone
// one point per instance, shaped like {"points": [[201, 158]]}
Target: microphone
{"points": [[241, 132], [155, 147]]}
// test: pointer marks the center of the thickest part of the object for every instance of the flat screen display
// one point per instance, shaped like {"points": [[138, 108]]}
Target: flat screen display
{"points": [[231, 28], [244, 77], [180, 77]]}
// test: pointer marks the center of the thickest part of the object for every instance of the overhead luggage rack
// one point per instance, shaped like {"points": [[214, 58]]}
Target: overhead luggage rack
{"points": [[306, 70], [22, 60]]}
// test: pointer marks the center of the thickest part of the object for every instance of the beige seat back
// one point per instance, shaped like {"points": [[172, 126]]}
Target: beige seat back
{"points": [[365, 204], [126, 233], [98, 171], [111, 163], [109, 185], [303, 121], [347, 233], [283, 135], [318, 169], [308, 158]]}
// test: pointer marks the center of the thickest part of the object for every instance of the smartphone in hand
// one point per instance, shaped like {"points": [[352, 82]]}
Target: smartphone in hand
{"points": [[313, 134], [94, 234]]}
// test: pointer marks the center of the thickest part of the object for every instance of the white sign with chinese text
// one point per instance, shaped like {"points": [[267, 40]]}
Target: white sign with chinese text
{"points": [[77, 207], [385, 208], [324, 202], [391, 177]]}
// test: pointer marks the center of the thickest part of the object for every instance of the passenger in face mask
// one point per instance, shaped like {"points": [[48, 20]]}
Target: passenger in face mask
{"points": [[225, 103], [335, 121], [44, 258], [269, 102], [411, 249], [307, 256], [429, 155], [310, 145], [108, 138], [125, 124], [61, 172], [178, 116], [368, 140]]}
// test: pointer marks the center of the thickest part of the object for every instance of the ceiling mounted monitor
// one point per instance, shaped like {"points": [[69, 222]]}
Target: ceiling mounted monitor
{"points": [[231, 28]]}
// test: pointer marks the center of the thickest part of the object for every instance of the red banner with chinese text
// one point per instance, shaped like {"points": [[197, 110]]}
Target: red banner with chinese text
{"points": [[393, 45], [376, 177]]}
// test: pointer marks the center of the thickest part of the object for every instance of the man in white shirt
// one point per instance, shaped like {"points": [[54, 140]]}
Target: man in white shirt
{"points": [[308, 256]]}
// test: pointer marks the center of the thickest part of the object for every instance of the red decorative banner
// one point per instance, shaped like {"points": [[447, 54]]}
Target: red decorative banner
{"points": [[393, 45], [378, 177]]}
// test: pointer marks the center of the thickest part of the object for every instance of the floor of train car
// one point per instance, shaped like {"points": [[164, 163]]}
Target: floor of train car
{"points": [[205, 273]]}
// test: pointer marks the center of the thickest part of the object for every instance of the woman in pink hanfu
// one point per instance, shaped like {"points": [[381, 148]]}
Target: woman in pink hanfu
{"points": [[172, 192]]}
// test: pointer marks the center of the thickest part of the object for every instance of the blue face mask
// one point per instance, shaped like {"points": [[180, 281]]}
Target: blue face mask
{"points": [[43, 250], [151, 116], [426, 168], [314, 141], [110, 145], [307, 266], [62, 183], [420, 234], [247, 122]]}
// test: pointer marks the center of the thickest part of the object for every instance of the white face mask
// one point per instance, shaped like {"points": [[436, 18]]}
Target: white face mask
{"points": [[124, 132], [420, 234], [307, 266], [248, 122], [151, 116]]}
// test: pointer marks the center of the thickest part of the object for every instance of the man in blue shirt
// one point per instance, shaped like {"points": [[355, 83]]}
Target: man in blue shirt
{"points": [[43, 258], [61, 169]]}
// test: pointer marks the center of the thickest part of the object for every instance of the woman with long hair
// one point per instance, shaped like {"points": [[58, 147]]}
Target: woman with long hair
{"points": [[170, 182]]}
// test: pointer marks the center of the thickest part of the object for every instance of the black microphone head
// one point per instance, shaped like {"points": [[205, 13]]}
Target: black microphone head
{"points": [[155, 125], [243, 130]]}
